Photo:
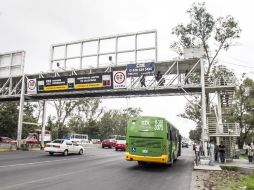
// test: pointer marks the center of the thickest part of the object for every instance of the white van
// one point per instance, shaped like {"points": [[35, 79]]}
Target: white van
{"points": [[78, 138]]}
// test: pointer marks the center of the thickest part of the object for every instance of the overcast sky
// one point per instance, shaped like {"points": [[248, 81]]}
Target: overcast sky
{"points": [[34, 25]]}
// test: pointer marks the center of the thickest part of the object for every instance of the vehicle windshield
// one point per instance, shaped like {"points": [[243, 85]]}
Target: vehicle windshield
{"points": [[58, 141], [121, 138], [67, 136]]}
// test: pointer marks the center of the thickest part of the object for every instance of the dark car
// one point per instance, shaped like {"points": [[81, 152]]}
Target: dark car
{"points": [[110, 143], [185, 144]]}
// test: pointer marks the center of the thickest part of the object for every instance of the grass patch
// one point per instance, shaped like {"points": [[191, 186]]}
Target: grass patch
{"points": [[24, 147], [228, 180], [249, 181], [230, 168], [244, 156]]}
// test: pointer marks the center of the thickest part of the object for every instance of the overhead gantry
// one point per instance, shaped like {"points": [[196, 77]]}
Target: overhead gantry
{"points": [[184, 77]]}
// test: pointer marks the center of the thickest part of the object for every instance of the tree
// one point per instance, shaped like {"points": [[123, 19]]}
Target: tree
{"points": [[115, 121], [243, 109], [195, 134], [29, 110], [64, 109], [8, 119], [205, 31], [74, 115], [193, 111], [213, 35]]}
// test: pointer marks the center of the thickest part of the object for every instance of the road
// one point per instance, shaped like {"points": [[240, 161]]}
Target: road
{"points": [[97, 169]]}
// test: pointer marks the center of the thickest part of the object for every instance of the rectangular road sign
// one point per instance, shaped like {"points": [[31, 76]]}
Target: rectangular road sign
{"points": [[136, 70], [79, 82]]}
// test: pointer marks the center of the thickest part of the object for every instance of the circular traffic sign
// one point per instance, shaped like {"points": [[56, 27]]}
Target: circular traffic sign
{"points": [[31, 84], [119, 77]]}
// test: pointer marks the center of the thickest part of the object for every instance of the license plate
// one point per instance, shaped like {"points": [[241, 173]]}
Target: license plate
{"points": [[145, 151]]}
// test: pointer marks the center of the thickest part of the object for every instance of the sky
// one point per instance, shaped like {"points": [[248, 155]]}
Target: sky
{"points": [[34, 25]]}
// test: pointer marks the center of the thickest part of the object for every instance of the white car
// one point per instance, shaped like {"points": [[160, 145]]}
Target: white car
{"points": [[63, 146]]}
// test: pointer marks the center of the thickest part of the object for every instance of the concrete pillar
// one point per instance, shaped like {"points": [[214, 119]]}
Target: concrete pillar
{"points": [[21, 106], [43, 123], [219, 119], [204, 135]]}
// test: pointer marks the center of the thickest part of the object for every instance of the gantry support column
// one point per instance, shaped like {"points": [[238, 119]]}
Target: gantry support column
{"points": [[204, 135], [21, 106], [219, 119], [43, 123]]}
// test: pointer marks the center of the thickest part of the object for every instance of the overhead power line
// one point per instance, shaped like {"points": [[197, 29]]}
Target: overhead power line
{"points": [[237, 64]]}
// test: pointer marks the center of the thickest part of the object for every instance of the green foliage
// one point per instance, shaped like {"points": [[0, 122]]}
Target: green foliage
{"points": [[195, 135], [78, 112], [115, 121], [111, 122], [230, 168], [193, 111], [8, 119], [212, 35], [249, 181], [85, 116], [243, 109], [203, 30], [29, 110], [218, 71]]}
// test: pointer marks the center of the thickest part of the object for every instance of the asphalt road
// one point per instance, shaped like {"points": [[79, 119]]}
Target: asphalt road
{"points": [[97, 169]]}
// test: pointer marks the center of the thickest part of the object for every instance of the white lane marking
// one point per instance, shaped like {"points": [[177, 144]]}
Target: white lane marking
{"points": [[48, 178], [39, 180], [32, 163]]}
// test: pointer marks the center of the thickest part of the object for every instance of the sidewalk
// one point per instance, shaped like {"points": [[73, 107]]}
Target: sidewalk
{"points": [[242, 164], [202, 174]]}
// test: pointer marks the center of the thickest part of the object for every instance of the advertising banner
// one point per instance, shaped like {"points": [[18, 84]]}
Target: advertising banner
{"points": [[136, 70], [31, 86], [119, 79], [79, 82]]}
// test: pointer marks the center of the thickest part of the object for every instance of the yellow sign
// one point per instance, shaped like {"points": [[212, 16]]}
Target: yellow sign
{"points": [[89, 85], [54, 88]]}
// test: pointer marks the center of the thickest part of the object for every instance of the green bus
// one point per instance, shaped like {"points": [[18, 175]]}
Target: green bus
{"points": [[152, 139]]}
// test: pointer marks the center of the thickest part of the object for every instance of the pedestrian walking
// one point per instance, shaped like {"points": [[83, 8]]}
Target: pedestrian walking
{"points": [[197, 153], [143, 81], [222, 152], [186, 79], [250, 153], [216, 151], [159, 79]]}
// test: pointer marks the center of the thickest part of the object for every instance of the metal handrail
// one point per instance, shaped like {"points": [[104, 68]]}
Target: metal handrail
{"points": [[220, 81]]}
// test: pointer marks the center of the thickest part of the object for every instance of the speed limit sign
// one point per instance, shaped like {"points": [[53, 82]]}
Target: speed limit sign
{"points": [[31, 86], [119, 79]]}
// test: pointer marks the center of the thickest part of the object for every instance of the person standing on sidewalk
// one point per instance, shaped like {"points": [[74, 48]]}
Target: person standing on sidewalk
{"points": [[250, 153], [222, 152], [211, 153]]}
